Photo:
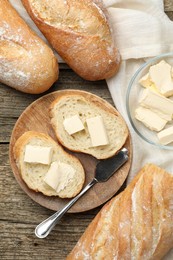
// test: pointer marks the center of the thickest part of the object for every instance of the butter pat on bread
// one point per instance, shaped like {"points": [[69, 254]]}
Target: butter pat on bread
{"points": [[59, 175], [73, 124], [38, 154], [87, 106], [34, 174], [97, 131]]}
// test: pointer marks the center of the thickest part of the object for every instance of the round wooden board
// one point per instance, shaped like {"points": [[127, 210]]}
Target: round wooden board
{"points": [[36, 118]]}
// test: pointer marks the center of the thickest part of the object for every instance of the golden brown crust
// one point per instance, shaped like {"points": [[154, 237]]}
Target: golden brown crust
{"points": [[24, 140], [99, 102], [102, 105], [60, 155], [26, 62], [80, 33], [137, 224]]}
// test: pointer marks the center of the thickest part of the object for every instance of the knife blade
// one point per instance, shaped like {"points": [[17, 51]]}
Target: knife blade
{"points": [[104, 170]]}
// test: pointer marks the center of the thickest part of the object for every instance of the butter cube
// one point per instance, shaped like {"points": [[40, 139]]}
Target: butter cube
{"points": [[157, 103], [73, 124], [146, 82], [38, 154], [166, 136], [59, 175], [97, 131], [150, 119], [160, 74]]}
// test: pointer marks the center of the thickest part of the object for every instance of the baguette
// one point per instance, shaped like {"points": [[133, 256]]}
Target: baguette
{"points": [[87, 105], [33, 174], [26, 62], [136, 224], [80, 32]]}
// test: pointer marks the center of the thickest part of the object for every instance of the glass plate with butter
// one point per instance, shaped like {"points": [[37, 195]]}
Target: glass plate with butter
{"points": [[149, 101]]}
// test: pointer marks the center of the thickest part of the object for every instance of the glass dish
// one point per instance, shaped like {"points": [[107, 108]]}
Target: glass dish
{"points": [[132, 98]]}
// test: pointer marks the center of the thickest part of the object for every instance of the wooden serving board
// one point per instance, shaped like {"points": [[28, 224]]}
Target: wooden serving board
{"points": [[36, 118]]}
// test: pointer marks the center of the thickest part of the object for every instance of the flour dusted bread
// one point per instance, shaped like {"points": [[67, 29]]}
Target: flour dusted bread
{"points": [[26, 62], [136, 224], [34, 174], [79, 31], [86, 106]]}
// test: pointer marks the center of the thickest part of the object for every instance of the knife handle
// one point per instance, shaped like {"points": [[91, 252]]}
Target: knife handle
{"points": [[44, 228]]}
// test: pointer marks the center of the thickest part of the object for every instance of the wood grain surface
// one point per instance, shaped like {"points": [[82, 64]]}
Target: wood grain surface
{"points": [[18, 213], [36, 118]]}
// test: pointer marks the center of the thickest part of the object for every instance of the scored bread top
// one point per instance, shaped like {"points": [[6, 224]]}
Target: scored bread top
{"points": [[33, 174], [87, 105], [80, 32], [136, 224]]}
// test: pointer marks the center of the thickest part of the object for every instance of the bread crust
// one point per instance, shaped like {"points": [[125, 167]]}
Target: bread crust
{"points": [[26, 62], [80, 32], [136, 224], [106, 110], [58, 154]]}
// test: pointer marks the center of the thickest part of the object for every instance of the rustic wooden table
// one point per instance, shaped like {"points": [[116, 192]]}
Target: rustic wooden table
{"points": [[19, 215]]}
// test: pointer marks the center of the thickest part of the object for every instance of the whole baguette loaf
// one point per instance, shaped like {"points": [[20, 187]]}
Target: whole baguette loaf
{"points": [[33, 174], [87, 105], [26, 62], [137, 224], [80, 32]]}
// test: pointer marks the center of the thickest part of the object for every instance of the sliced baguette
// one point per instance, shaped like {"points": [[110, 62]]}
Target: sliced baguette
{"points": [[87, 105], [33, 174]]}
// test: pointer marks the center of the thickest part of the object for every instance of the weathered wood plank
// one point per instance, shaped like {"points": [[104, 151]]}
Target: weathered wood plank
{"points": [[168, 5], [6, 127], [19, 216], [12, 102], [18, 213], [19, 241], [170, 15]]}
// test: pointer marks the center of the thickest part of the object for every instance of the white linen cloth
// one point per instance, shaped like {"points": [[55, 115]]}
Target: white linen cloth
{"points": [[141, 30]]}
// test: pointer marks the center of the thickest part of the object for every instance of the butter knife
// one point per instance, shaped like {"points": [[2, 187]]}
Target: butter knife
{"points": [[104, 170]]}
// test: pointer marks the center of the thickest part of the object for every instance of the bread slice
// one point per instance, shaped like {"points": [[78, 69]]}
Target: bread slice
{"points": [[87, 105], [33, 174]]}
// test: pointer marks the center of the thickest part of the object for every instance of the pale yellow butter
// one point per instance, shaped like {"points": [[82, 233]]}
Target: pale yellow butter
{"points": [[38, 154], [150, 119], [157, 103], [160, 75], [166, 136], [59, 175], [146, 82], [73, 124], [97, 131]]}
